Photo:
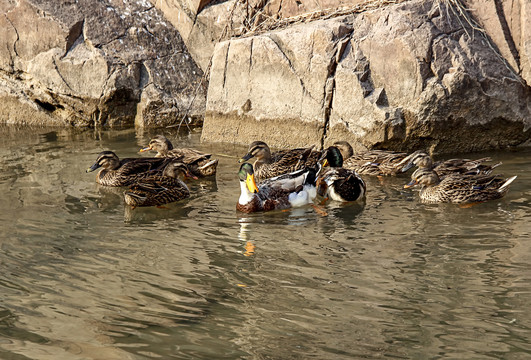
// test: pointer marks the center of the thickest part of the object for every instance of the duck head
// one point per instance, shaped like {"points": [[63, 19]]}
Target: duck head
{"points": [[418, 158], [160, 144], [106, 159], [246, 176], [177, 168], [258, 149], [332, 157], [424, 177], [345, 148]]}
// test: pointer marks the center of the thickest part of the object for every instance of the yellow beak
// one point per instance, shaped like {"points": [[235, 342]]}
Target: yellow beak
{"points": [[145, 149], [325, 162], [251, 184]]}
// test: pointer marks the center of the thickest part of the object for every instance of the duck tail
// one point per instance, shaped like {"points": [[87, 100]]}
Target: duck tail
{"points": [[505, 185]]}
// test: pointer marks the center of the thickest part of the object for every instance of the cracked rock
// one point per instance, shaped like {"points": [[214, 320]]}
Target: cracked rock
{"points": [[410, 76], [88, 63]]}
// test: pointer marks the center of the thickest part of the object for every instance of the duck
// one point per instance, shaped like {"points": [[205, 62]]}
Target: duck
{"points": [[371, 162], [282, 192], [451, 166], [268, 165], [199, 163], [116, 172], [336, 182], [458, 188], [160, 189]]}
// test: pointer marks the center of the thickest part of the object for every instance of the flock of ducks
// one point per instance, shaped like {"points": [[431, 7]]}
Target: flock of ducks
{"points": [[295, 177]]}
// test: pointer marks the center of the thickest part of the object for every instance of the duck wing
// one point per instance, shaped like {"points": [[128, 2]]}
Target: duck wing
{"points": [[135, 166]]}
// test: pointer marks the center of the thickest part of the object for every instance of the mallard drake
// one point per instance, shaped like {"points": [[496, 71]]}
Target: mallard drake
{"points": [[124, 172], [338, 183], [281, 192], [160, 189], [457, 188], [200, 164], [372, 162], [451, 166], [268, 165]]}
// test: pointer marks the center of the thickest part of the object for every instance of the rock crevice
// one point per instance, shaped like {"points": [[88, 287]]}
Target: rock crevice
{"points": [[393, 78]]}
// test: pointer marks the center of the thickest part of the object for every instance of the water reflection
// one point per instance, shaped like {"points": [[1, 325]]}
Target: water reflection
{"points": [[85, 277]]}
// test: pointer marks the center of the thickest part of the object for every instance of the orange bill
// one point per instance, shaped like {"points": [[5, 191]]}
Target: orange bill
{"points": [[251, 184]]}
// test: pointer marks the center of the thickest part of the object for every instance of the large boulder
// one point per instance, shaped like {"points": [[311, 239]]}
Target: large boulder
{"points": [[507, 24], [88, 63], [408, 76]]}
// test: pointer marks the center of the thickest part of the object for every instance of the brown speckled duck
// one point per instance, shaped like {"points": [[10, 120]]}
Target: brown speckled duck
{"points": [[200, 164], [458, 188], [160, 189], [451, 166], [116, 172], [268, 165], [371, 162]]}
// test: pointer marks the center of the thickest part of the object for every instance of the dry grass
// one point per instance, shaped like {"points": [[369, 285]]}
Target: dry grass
{"points": [[261, 22]]}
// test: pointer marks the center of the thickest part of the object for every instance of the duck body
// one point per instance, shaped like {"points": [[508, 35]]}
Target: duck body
{"points": [[199, 163], [269, 165], [160, 189], [124, 172], [336, 182], [372, 162], [457, 188], [282, 192], [451, 166], [341, 184]]}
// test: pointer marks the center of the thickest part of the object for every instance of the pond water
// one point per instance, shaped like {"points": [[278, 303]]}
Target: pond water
{"points": [[84, 277]]}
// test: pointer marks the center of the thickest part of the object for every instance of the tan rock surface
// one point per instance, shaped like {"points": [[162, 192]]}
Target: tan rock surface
{"points": [[87, 63], [405, 77]]}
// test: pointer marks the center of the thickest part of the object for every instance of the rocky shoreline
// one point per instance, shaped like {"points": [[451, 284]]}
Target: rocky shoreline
{"points": [[442, 75]]}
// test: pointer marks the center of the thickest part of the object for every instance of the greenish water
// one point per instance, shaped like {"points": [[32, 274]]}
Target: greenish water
{"points": [[84, 277]]}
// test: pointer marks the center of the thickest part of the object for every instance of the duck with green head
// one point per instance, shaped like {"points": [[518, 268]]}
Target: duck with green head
{"points": [[281, 192], [336, 182]]}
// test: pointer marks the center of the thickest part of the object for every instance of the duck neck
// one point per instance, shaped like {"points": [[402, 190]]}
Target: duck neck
{"points": [[264, 158], [245, 196]]}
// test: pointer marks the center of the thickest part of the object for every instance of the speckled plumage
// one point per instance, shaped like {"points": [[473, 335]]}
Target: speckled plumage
{"points": [[450, 166], [159, 189], [124, 172], [372, 162], [268, 165], [200, 164], [458, 188]]}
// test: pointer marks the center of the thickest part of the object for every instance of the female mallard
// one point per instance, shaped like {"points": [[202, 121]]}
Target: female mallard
{"points": [[338, 183], [371, 162], [281, 192], [268, 165], [124, 172], [457, 188], [447, 167], [159, 189], [198, 163]]}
